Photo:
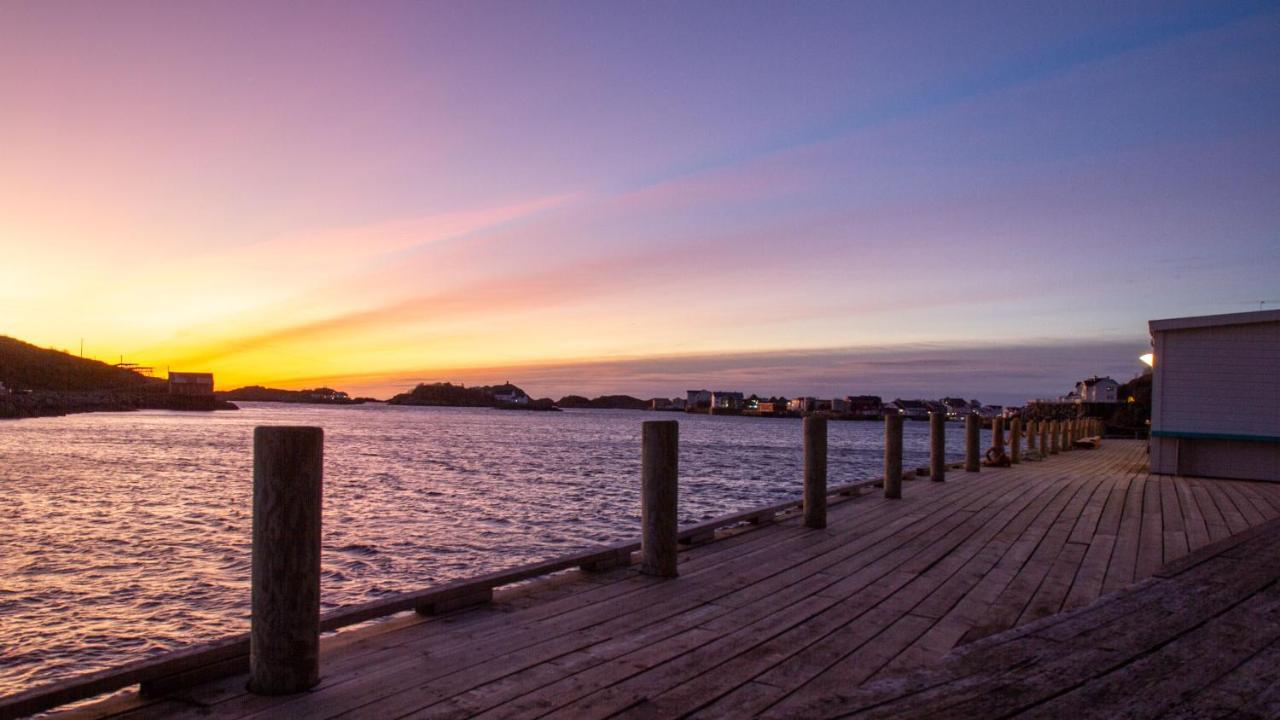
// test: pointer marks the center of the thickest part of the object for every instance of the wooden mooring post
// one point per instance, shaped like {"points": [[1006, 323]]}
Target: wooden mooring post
{"points": [[815, 472], [1015, 440], [997, 437], [1055, 436], [937, 446], [893, 456], [659, 466], [1032, 431], [972, 442], [284, 630]]}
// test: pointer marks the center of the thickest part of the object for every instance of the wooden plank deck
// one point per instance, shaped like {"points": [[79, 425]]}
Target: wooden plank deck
{"points": [[1200, 639], [773, 620]]}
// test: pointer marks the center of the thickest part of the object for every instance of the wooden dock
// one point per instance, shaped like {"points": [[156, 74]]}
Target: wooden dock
{"points": [[780, 619]]}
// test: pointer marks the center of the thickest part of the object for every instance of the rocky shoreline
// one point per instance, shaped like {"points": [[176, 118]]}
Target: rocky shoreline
{"points": [[53, 404]]}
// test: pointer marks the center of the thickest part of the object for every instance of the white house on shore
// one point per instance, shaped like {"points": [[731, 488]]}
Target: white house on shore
{"points": [[1215, 407], [513, 397], [1098, 390]]}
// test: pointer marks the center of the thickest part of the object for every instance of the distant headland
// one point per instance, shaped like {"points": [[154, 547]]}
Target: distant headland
{"points": [[318, 396], [37, 382]]}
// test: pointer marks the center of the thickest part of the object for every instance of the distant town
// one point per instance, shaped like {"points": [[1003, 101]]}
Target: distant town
{"points": [[1098, 396], [36, 381], [1102, 390]]}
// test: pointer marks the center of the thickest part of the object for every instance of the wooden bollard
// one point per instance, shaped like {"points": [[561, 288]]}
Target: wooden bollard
{"points": [[1043, 427], [937, 446], [284, 629], [893, 456], [1015, 440], [1032, 430], [659, 467], [1065, 443], [815, 472], [997, 436], [1055, 436], [972, 442]]}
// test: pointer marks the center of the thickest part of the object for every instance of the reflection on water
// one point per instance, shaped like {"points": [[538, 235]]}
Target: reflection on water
{"points": [[127, 534]]}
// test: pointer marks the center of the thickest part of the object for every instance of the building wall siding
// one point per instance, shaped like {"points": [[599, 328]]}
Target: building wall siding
{"points": [[1222, 380]]}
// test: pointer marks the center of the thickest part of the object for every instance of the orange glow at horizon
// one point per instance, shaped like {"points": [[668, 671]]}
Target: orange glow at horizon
{"points": [[373, 197]]}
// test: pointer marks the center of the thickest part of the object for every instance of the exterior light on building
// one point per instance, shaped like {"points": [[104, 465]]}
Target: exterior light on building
{"points": [[1148, 359]]}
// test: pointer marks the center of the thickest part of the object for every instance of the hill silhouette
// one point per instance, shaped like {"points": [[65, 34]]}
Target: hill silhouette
{"points": [[24, 366]]}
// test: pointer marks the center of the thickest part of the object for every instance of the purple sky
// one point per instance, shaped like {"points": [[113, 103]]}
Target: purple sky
{"points": [[632, 197]]}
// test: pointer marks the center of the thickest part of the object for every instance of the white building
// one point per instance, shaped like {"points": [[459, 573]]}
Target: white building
{"points": [[1097, 390], [1215, 408], [515, 397], [802, 404]]}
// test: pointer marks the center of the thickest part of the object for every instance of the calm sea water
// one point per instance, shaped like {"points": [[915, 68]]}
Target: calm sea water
{"points": [[127, 534]]}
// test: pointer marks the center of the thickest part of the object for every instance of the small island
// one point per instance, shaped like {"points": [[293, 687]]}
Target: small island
{"points": [[502, 397], [317, 396], [604, 402]]}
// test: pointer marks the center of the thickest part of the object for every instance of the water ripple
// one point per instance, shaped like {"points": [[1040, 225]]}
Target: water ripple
{"points": [[123, 535]]}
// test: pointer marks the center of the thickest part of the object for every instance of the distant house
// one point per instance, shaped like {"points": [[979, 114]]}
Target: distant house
{"points": [[838, 405], [1098, 390], [913, 409], [193, 384], [802, 404], [695, 399], [679, 403], [1214, 405], [991, 412], [864, 405], [768, 407], [957, 408], [660, 404], [511, 397], [725, 400]]}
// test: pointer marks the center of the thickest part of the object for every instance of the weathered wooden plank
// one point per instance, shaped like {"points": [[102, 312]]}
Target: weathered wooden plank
{"points": [[1151, 534], [1021, 673], [1215, 523], [1124, 559], [1254, 511], [1010, 606], [1155, 682], [1091, 573], [1228, 695], [1236, 521], [1192, 518]]}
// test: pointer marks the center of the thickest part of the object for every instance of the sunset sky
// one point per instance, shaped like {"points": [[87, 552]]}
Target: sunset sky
{"points": [[840, 197]]}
